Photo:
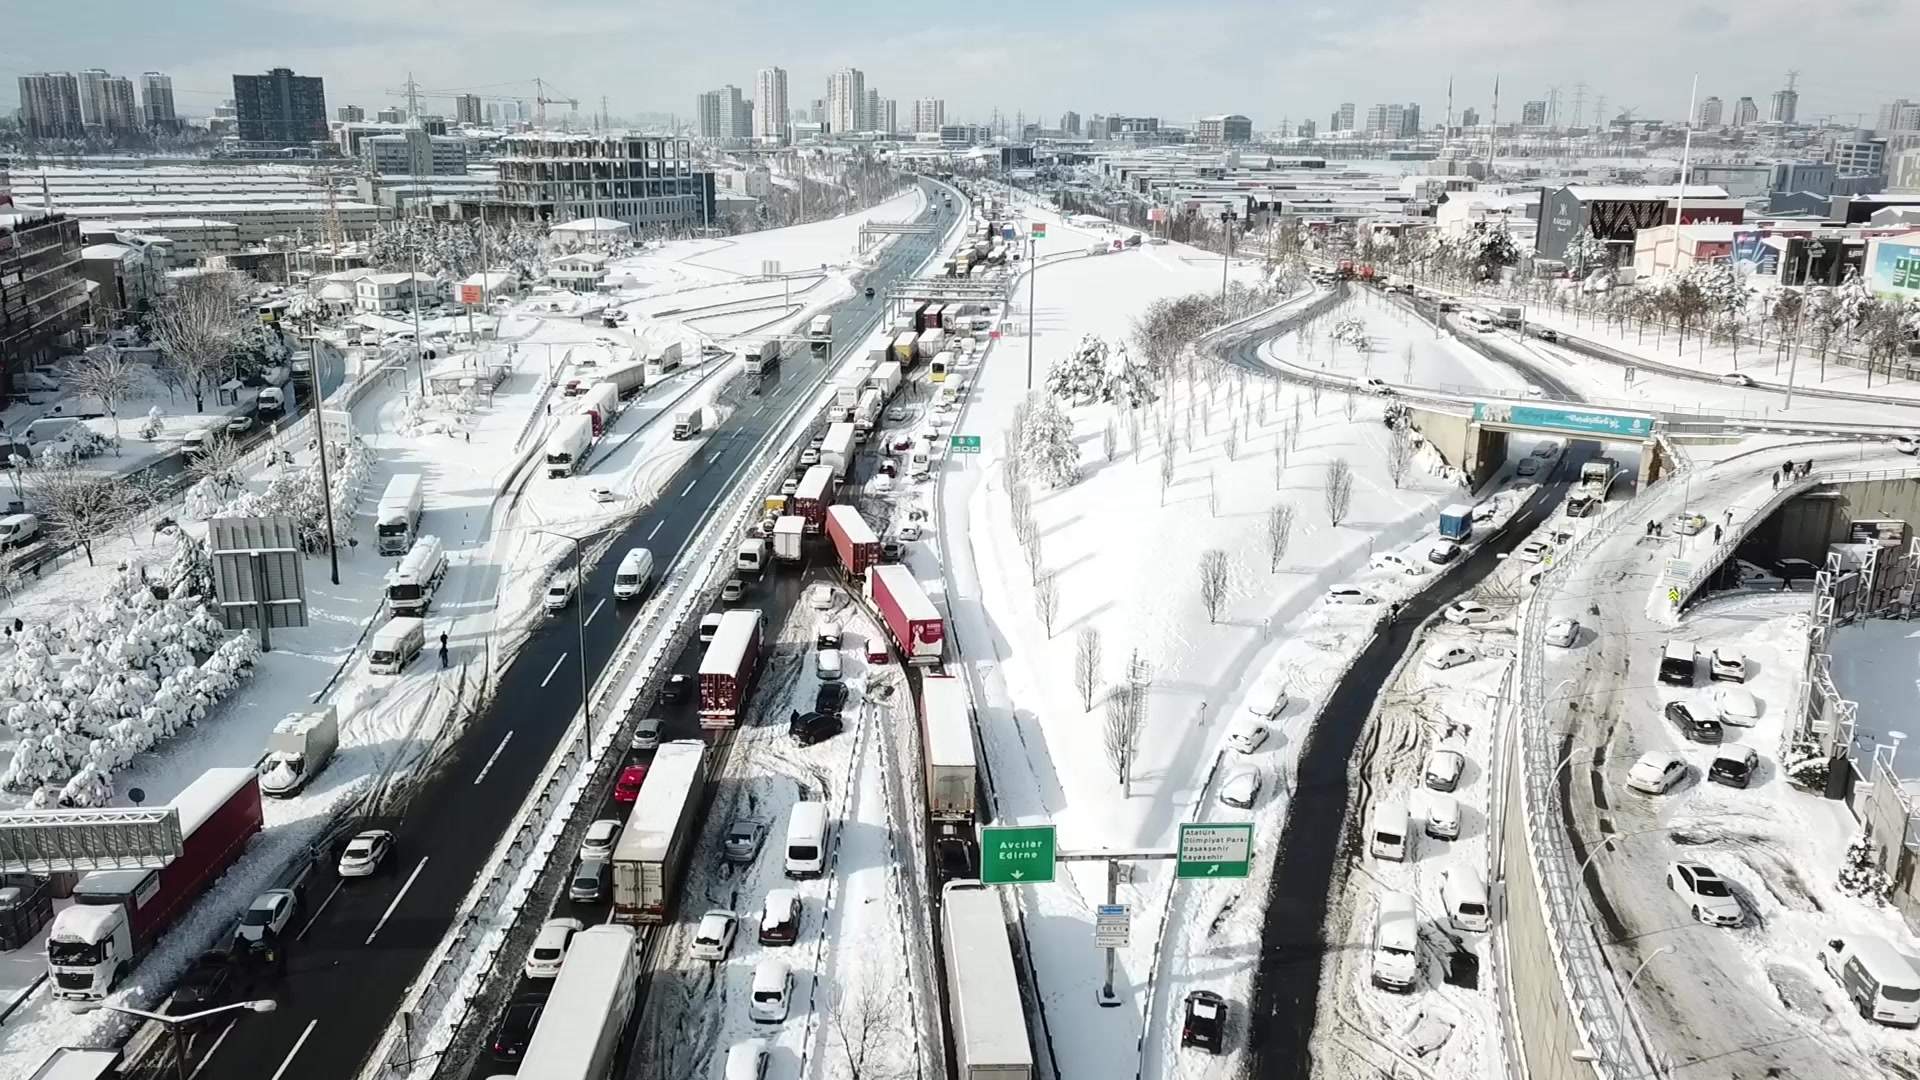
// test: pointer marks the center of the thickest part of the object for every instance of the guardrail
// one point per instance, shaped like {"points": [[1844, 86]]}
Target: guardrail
{"points": [[634, 674]]}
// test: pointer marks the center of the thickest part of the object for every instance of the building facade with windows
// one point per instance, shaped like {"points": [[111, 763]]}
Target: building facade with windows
{"points": [[647, 181], [156, 102], [1224, 129], [50, 106], [771, 119], [43, 290], [280, 108]]}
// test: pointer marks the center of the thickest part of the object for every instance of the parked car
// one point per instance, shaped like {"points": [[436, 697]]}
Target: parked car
{"points": [[1736, 378], [677, 688], [1563, 633], [1392, 563], [1706, 893], [909, 531], [814, 727], [1906, 444], [627, 788], [1374, 385], [830, 698], [1247, 735], [1350, 594], [510, 1039], [743, 839], [1443, 552], [1736, 705], [365, 852], [772, 991], [550, 948], [1468, 613], [1727, 665], [780, 917], [733, 591], [1444, 769], [1450, 656], [1696, 728], [601, 836], [810, 456], [713, 939], [1533, 551], [1657, 772], [1205, 1023], [1241, 790], [889, 551], [646, 734]]}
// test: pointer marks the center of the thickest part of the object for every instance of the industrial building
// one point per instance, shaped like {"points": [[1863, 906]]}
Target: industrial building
{"points": [[43, 290], [647, 181]]}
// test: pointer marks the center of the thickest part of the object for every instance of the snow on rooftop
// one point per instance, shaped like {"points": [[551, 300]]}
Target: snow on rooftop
{"points": [[1629, 192], [202, 797], [89, 923], [593, 225]]}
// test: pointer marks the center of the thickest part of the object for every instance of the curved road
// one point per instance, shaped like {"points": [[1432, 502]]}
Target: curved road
{"points": [[356, 949]]}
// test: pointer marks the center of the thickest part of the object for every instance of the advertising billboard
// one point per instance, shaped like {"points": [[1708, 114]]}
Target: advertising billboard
{"points": [[1895, 271], [1753, 255], [469, 294], [1573, 421]]}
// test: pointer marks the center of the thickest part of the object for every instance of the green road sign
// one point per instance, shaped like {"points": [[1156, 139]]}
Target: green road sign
{"points": [[1016, 855], [1215, 849], [964, 444]]}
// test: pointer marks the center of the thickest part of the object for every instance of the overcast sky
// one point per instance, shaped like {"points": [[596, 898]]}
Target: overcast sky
{"points": [[1268, 60]]}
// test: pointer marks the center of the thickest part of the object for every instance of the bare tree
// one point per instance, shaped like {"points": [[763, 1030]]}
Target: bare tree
{"points": [[1029, 533], [82, 506], [1279, 534], [1086, 665], [861, 1023], [1400, 451], [218, 461], [1166, 466], [198, 328], [104, 373], [1121, 733], [1231, 441], [1108, 439], [1349, 405], [1213, 495], [1313, 395], [1293, 429], [1216, 576], [1339, 493], [1406, 354], [1046, 597]]}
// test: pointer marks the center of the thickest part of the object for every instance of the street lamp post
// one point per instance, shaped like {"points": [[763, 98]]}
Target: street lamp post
{"points": [[173, 1024], [1635, 977], [1226, 252], [580, 625], [1606, 841]]}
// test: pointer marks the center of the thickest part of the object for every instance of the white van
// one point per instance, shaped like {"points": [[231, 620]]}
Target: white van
{"points": [[1396, 944], [18, 529], [1388, 840], [1464, 894], [1480, 321], [396, 644], [772, 990], [631, 577], [807, 840], [751, 556], [1443, 816], [1876, 977]]}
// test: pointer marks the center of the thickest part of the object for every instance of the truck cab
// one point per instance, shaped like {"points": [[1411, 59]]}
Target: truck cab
{"points": [[88, 949]]}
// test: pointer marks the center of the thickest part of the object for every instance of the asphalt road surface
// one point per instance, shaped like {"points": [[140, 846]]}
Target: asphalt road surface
{"points": [[359, 946]]}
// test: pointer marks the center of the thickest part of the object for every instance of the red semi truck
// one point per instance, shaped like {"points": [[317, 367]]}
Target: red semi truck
{"points": [[726, 670], [910, 616], [853, 540], [815, 494], [118, 914]]}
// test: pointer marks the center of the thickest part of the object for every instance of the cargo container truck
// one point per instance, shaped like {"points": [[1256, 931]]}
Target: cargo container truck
{"points": [[821, 331], [117, 915], [598, 403], [910, 617], [627, 379], [1456, 522], [903, 348], [983, 994], [399, 513], [411, 585], [686, 423], [789, 532], [946, 719], [726, 670], [567, 446], [663, 826], [853, 540], [930, 343], [663, 360], [764, 357], [836, 452], [866, 414], [297, 749], [587, 1011], [886, 379], [815, 494]]}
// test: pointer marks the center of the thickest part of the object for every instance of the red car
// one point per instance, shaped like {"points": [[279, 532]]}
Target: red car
{"points": [[627, 788]]}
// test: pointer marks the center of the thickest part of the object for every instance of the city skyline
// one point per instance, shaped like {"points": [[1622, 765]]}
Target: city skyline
{"points": [[1329, 57]]}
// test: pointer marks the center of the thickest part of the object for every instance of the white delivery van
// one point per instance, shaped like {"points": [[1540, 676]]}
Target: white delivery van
{"points": [[807, 840], [1464, 894], [396, 644], [636, 569], [17, 530], [1876, 977], [1396, 944], [1388, 838], [751, 556]]}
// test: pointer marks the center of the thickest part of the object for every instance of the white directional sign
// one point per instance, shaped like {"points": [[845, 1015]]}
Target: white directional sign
{"points": [[1110, 926]]}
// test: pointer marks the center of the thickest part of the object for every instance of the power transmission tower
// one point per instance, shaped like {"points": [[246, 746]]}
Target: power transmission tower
{"points": [[1600, 112], [1579, 102], [1553, 106], [413, 96]]}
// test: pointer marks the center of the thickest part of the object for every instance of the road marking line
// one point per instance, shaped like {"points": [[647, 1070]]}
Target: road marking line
{"points": [[656, 527], [488, 767], [208, 1056], [550, 671], [397, 897], [690, 488], [301, 936], [596, 610], [297, 1044]]}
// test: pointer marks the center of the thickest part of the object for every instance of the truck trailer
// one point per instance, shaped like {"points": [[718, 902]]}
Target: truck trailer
{"points": [[726, 670], [946, 720], [117, 915], [886, 379], [764, 357], [411, 585], [663, 827], [789, 537], [814, 495], [297, 749], [820, 330], [837, 452], [853, 540], [903, 348], [686, 423], [983, 993], [399, 513], [627, 379], [910, 617], [567, 446], [662, 360], [598, 403]]}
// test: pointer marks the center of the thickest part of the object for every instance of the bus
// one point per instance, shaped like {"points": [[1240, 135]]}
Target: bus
{"points": [[983, 994], [937, 371], [580, 1029]]}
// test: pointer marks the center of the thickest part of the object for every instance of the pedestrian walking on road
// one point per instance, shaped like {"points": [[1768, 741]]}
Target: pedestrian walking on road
{"points": [[1716, 534], [1776, 481], [1729, 517]]}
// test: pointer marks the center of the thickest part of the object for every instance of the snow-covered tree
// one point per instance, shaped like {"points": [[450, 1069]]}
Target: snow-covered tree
{"points": [[105, 374], [1127, 383], [84, 506], [1048, 447], [1861, 876], [1081, 375], [1587, 253], [199, 327]]}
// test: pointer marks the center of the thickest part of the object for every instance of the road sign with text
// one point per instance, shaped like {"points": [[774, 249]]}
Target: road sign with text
{"points": [[1039, 230], [1016, 855], [1110, 926], [964, 444], [1215, 849]]}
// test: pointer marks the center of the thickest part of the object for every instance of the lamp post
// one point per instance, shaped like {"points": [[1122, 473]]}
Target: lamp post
{"points": [[1605, 841], [580, 625], [173, 1024], [1226, 252], [1635, 977]]}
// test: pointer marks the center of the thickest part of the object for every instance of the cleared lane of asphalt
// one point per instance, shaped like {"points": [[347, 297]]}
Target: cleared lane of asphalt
{"points": [[351, 989]]}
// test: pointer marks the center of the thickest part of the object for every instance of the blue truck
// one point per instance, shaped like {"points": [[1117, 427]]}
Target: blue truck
{"points": [[1456, 522]]}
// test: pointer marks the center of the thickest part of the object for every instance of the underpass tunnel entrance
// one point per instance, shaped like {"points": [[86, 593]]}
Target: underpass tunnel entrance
{"points": [[1618, 457], [1863, 528]]}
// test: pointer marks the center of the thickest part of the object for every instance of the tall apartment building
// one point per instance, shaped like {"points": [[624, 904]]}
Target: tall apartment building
{"points": [[43, 291], [107, 102], [354, 114], [1707, 113], [870, 111], [1745, 112], [466, 109], [50, 106], [930, 114], [1342, 118], [1533, 114], [1307, 129], [1069, 124], [1223, 130], [846, 100], [280, 108], [391, 115], [1860, 155], [1469, 117], [647, 181], [1393, 121], [156, 102], [716, 111], [770, 116], [1786, 106], [413, 152], [1900, 115], [887, 120]]}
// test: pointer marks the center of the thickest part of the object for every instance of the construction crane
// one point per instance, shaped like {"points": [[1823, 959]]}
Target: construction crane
{"points": [[543, 97], [541, 101]]}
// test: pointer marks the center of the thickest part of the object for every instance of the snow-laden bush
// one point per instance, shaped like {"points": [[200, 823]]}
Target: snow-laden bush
{"points": [[1861, 876], [76, 445], [1046, 444], [295, 492]]}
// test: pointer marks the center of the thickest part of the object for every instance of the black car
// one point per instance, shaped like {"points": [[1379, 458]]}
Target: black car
{"points": [[814, 727], [1206, 1022], [890, 551], [953, 858], [677, 688], [869, 292], [209, 985], [516, 1029], [1697, 728], [831, 698]]}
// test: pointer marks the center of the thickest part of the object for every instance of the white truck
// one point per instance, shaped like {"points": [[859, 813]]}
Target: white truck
{"points": [[821, 328], [837, 452], [946, 713], [399, 514], [983, 993], [930, 343], [662, 360], [567, 446], [886, 379], [763, 357], [788, 532], [663, 827], [866, 414], [686, 423], [410, 585], [297, 749], [846, 395]]}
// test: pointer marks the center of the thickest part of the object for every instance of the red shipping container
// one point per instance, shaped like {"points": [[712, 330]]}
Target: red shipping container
{"points": [[911, 618], [853, 540]]}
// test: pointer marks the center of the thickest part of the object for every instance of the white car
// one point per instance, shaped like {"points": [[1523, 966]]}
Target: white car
{"points": [[1657, 772], [1735, 378], [1906, 444], [1468, 613], [1373, 385], [896, 414], [1451, 656], [550, 948], [809, 457], [772, 991], [1563, 633], [1444, 769], [1534, 391], [1706, 892], [709, 626], [714, 939], [1350, 594], [820, 596], [1388, 561], [909, 531], [1246, 736], [559, 590], [603, 494], [269, 911], [1736, 705], [364, 853], [1533, 551], [600, 838], [1241, 790]]}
